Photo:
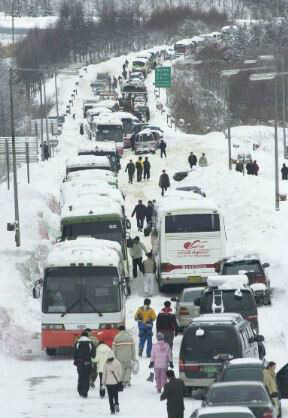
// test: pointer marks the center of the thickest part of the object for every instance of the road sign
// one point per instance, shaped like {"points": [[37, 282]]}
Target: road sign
{"points": [[53, 143], [163, 77]]}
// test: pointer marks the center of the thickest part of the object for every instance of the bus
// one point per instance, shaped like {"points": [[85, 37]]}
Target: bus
{"points": [[87, 162], [83, 286], [101, 218], [109, 129], [184, 46], [128, 121], [146, 141], [141, 65], [97, 176], [188, 238], [99, 149]]}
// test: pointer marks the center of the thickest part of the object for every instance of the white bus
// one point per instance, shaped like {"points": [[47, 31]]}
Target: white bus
{"points": [[83, 287], [188, 238], [109, 128]]}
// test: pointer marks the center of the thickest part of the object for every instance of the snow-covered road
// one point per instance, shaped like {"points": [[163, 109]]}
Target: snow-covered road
{"points": [[35, 386]]}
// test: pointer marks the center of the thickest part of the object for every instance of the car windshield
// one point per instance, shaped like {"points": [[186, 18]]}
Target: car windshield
{"points": [[192, 223], [109, 230], [214, 341], [191, 296], [81, 290], [252, 266], [237, 394], [109, 133]]}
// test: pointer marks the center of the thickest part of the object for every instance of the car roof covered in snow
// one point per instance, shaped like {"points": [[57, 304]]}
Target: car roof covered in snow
{"points": [[203, 412], [108, 119], [85, 207], [217, 318], [184, 193], [88, 161], [238, 383], [109, 103], [104, 175], [91, 191], [98, 146], [183, 42], [236, 281], [197, 39], [235, 258], [125, 115], [244, 361], [84, 250], [97, 110], [185, 203], [141, 59]]}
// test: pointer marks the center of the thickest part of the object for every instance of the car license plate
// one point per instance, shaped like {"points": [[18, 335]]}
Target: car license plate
{"points": [[194, 279], [210, 370]]}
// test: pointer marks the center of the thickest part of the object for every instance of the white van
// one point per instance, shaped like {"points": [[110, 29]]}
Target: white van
{"points": [[188, 238]]}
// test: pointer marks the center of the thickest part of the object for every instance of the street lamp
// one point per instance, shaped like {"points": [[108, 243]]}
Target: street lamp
{"points": [[269, 77]]}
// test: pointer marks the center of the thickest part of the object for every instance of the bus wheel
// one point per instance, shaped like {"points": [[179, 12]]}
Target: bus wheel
{"points": [[50, 351]]}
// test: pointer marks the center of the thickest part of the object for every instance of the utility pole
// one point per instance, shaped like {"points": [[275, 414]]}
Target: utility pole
{"points": [[41, 120], [13, 26], [46, 118], [56, 94], [16, 206], [276, 146], [228, 124]]}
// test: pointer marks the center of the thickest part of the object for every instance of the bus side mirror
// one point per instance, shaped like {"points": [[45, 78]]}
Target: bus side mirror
{"points": [[197, 301], [36, 292]]}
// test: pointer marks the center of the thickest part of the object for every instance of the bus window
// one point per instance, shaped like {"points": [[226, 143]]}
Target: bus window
{"points": [[192, 223]]}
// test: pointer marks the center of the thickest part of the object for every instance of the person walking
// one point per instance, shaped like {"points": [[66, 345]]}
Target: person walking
{"points": [[269, 380], [161, 356], [109, 82], [112, 376], [120, 80], [84, 350], [146, 166], [149, 271], [149, 213], [239, 166], [255, 168], [123, 347], [166, 323], [162, 147], [115, 83], [174, 394], [93, 374], [139, 168], [140, 211], [203, 160], [284, 172], [145, 316], [130, 167], [136, 252], [192, 160], [164, 182], [46, 151], [103, 352], [81, 129], [249, 168]]}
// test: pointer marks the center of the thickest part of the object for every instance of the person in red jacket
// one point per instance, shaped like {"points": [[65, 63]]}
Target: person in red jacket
{"points": [[166, 323]]}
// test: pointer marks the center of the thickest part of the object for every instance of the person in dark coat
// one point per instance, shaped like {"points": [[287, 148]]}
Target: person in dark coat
{"points": [[166, 323], [239, 167], [174, 393], [115, 83], [46, 151], [130, 167], [81, 129], [139, 168], [284, 172], [164, 182], [192, 160], [162, 147], [255, 168], [84, 350], [249, 168], [140, 211], [146, 166], [149, 213], [124, 73]]}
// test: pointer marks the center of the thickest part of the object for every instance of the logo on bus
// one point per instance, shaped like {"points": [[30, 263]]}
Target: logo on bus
{"points": [[195, 248], [189, 245]]}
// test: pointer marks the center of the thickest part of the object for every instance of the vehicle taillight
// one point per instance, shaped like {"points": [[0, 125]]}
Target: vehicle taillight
{"points": [[252, 317], [167, 267], [183, 311], [181, 365], [267, 414], [259, 279], [191, 368]]}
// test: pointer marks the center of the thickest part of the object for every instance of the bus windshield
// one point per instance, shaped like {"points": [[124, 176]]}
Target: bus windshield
{"points": [[109, 230], [192, 223], [81, 290], [110, 133]]}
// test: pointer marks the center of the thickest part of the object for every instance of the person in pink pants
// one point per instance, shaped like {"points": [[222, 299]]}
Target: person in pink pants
{"points": [[161, 357]]}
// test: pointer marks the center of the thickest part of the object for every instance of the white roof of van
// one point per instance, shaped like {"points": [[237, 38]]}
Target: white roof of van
{"points": [[108, 119], [182, 203], [85, 251], [144, 60], [98, 146], [220, 317], [104, 175], [84, 207], [203, 412], [235, 281], [88, 161]]}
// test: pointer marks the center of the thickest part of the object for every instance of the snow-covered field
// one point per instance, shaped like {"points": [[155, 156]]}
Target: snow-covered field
{"points": [[33, 385]]}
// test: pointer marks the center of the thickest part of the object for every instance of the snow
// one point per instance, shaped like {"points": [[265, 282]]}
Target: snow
{"points": [[33, 385], [88, 206], [221, 317], [88, 161], [229, 281], [84, 251], [240, 361], [224, 410], [27, 22], [185, 202]]}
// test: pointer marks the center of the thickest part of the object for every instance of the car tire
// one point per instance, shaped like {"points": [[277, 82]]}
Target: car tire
{"points": [[188, 392], [51, 351]]}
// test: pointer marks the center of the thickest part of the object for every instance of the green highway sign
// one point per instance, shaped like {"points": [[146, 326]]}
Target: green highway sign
{"points": [[163, 77]]}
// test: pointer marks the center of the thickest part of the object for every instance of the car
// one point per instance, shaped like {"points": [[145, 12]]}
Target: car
{"points": [[253, 395], [180, 175], [241, 369], [254, 269], [156, 128], [208, 341], [229, 294], [223, 412], [193, 189], [185, 309]]}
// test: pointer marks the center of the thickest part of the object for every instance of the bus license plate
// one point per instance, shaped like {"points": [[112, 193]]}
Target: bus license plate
{"points": [[194, 279]]}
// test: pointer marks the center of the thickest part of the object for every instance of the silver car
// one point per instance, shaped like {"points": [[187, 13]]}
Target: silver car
{"points": [[185, 309]]}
